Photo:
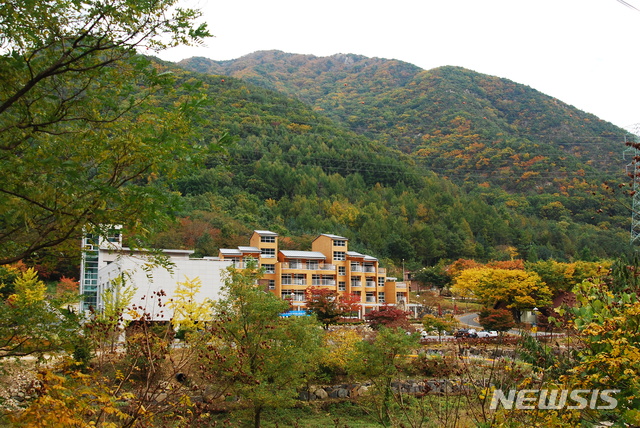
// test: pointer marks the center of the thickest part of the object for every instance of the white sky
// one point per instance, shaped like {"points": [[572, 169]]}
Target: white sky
{"points": [[583, 52]]}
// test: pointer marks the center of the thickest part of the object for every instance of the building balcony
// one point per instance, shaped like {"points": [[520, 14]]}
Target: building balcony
{"points": [[304, 266], [370, 269], [356, 283], [294, 282], [371, 283], [401, 285], [357, 268], [325, 282]]}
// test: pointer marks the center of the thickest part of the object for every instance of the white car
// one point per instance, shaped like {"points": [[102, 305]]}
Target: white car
{"points": [[487, 334]]}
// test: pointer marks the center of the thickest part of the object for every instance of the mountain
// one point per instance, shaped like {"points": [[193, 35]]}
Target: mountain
{"points": [[461, 124], [300, 171]]}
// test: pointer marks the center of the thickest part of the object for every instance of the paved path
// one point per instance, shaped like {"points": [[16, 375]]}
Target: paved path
{"points": [[470, 320]]}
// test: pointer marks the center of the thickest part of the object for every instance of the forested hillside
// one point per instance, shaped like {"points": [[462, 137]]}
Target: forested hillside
{"points": [[295, 169], [459, 123]]}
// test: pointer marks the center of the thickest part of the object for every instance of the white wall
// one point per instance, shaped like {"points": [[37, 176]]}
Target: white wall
{"points": [[151, 281]]}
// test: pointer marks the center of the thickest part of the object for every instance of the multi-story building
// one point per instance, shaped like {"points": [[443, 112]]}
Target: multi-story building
{"points": [[329, 264]]}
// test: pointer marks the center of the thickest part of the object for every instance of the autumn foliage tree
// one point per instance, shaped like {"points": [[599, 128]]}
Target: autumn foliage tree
{"points": [[514, 288], [330, 306], [388, 316], [496, 319]]}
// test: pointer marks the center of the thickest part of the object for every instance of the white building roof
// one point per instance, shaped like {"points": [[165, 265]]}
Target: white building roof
{"points": [[230, 252], [290, 254], [265, 233], [249, 249], [335, 236], [355, 254]]}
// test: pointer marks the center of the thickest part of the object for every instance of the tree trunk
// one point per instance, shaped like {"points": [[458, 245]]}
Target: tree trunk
{"points": [[256, 417]]}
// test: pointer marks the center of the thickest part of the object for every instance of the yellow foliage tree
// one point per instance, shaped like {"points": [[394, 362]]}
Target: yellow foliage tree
{"points": [[516, 288], [29, 290], [188, 310]]}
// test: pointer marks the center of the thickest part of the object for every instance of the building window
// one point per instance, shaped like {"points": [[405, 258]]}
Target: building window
{"points": [[293, 295], [269, 268], [286, 280], [316, 279], [268, 239], [312, 264], [381, 281], [272, 284], [268, 253], [370, 298], [339, 243], [339, 255], [342, 286], [342, 270], [381, 297]]}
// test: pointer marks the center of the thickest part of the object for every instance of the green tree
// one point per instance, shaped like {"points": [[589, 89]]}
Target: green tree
{"points": [[31, 322], [381, 360], [80, 139], [255, 352], [439, 324]]}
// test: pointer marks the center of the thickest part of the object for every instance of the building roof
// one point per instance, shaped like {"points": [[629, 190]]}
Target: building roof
{"points": [[249, 250], [335, 236], [357, 255], [289, 254], [230, 252], [265, 233]]}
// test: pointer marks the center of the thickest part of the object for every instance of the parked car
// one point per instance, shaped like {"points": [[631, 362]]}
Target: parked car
{"points": [[466, 332], [487, 334]]}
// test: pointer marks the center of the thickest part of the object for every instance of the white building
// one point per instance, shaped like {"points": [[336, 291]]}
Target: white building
{"points": [[105, 264]]}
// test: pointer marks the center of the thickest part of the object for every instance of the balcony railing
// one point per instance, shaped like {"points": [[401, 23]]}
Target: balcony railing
{"points": [[370, 269], [401, 285], [356, 283], [327, 282], [357, 268], [371, 283], [370, 299], [304, 266], [294, 281]]}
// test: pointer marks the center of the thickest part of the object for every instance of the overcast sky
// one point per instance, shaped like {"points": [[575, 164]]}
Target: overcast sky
{"points": [[583, 52]]}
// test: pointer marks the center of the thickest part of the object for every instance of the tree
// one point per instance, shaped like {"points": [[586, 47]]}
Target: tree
{"points": [[381, 360], [189, 312], [81, 141], [608, 323], [496, 319], [439, 324], [252, 350], [31, 322], [329, 305], [515, 288], [389, 317]]}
